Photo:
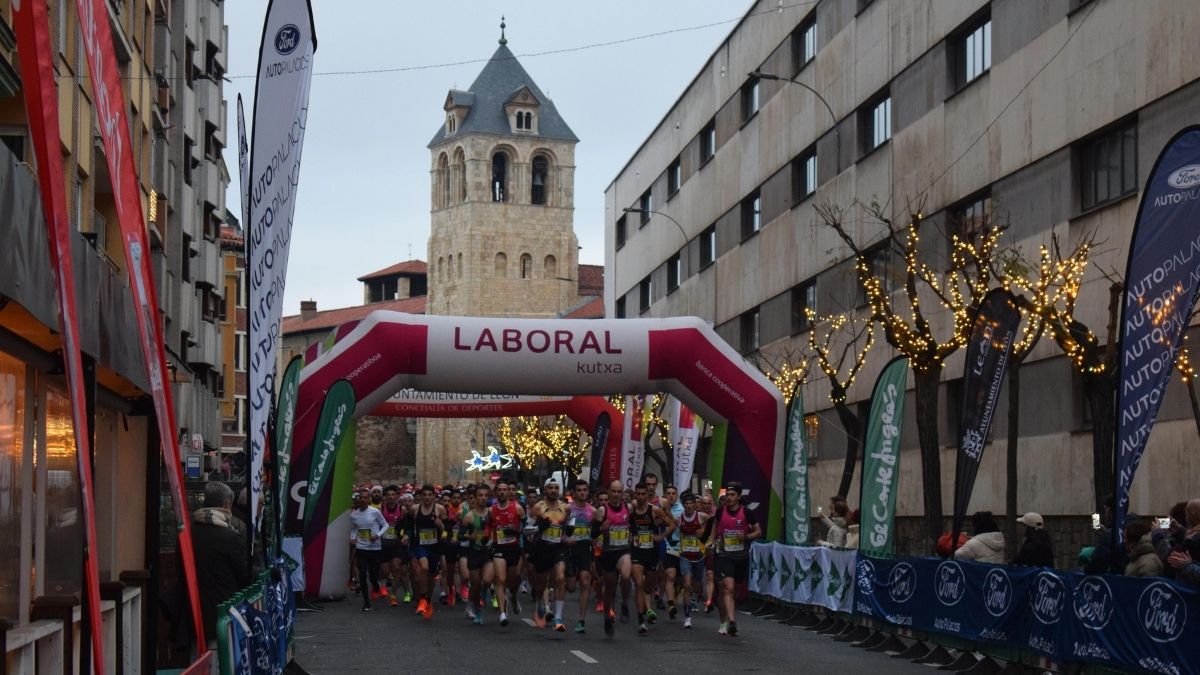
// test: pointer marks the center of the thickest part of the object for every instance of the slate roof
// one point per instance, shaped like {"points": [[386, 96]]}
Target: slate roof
{"points": [[502, 76]]}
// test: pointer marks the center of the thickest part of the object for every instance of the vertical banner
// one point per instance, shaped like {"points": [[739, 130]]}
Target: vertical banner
{"points": [[280, 115], [599, 441], [1160, 291], [243, 165], [632, 449], [336, 415], [32, 28], [881, 458], [716, 455], [796, 516], [289, 390], [995, 329], [113, 126], [685, 436]]}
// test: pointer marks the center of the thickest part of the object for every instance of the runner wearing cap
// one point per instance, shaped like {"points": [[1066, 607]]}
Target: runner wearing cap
{"points": [[734, 530], [550, 554], [579, 549], [691, 552]]}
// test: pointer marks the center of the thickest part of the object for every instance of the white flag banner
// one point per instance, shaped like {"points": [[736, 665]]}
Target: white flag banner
{"points": [[633, 454], [684, 436], [285, 60], [243, 166], [804, 575]]}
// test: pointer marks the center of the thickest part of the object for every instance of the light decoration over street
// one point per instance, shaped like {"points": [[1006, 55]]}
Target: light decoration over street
{"points": [[493, 460]]}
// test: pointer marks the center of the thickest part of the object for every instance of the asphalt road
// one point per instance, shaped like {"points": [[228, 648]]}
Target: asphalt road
{"points": [[341, 639]]}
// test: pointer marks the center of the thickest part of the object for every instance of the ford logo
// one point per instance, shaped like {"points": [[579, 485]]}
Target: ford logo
{"points": [[902, 583], [1094, 603], [1185, 177], [1049, 596], [1162, 612], [287, 39], [949, 583], [997, 592], [866, 576]]}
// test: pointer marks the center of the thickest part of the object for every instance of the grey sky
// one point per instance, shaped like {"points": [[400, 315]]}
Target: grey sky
{"points": [[364, 190]]}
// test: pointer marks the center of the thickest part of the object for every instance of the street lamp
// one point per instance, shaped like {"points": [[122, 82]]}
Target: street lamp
{"points": [[837, 141], [630, 209]]}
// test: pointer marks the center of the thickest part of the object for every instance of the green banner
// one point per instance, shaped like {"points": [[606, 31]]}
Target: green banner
{"points": [[285, 420], [336, 415], [881, 458], [795, 490], [716, 456]]}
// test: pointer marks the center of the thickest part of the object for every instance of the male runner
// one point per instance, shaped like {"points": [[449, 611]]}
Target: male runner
{"points": [[376, 496], [428, 520], [734, 530], [476, 533], [691, 552], [710, 595], [673, 508], [366, 528], [613, 517], [451, 550], [648, 523], [579, 549], [395, 554], [506, 518], [550, 554]]}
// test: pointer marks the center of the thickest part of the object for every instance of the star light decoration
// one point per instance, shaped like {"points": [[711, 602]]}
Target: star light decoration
{"points": [[492, 461]]}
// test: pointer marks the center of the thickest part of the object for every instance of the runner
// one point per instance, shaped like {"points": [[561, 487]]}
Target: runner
{"points": [[427, 529], [710, 594], [550, 555], [649, 523], [735, 529], [451, 550], [367, 526], [377, 496], [506, 518], [394, 554], [691, 552], [670, 559], [579, 549], [476, 533], [613, 517]]}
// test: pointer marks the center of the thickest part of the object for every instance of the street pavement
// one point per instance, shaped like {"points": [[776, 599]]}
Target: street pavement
{"points": [[342, 639]]}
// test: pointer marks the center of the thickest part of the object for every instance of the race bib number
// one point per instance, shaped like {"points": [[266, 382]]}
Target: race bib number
{"points": [[732, 541], [389, 533], [689, 544], [506, 536], [618, 536], [583, 532], [427, 537], [364, 534], [553, 534], [645, 540]]}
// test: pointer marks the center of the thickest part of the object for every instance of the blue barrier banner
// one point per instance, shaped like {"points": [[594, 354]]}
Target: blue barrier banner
{"points": [[1121, 622], [805, 575]]}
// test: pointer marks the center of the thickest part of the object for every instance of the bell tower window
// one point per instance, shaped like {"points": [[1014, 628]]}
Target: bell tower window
{"points": [[541, 170], [451, 123], [499, 176]]}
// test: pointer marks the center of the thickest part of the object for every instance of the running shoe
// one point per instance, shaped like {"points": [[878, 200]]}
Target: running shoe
{"points": [[687, 623], [442, 598], [464, 593], [524, 588], [608, 626], [724, 629], [599, 606], [549, 615], [559, 627], [709, 607], [393, 601], [428, 613], [407, 597], [452, 598], [479, 619], [503, 619], [539, 619], [514, 601], [673, 611], [651, 617], [733, 628], [642, 629], [580, 627], [366, 608], [471, 613], [624, 613], [658, 602], [495, 602]]}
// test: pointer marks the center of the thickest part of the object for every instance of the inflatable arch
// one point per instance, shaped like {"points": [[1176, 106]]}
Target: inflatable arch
{"points": [[390, 351]]}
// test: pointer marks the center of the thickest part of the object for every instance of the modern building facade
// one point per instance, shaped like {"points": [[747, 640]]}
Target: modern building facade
{"points": [[1045, 116]]}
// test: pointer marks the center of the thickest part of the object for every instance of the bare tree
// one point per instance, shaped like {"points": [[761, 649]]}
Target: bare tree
{"points": [[1187, 373], [840, 353], [958, 286]]}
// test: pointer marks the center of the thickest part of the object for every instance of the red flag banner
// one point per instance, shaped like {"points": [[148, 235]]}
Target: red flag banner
{"points": [[113, 126], [32, 27]]}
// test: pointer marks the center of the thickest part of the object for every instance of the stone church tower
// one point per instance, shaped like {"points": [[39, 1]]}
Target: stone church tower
{"points": [[502, 241]]}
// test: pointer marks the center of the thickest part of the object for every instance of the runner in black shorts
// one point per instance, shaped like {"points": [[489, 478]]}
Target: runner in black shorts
{"points": [[649, 526], [395, 556], [550, 554], [451, 550], [476, 532], [425, 536], [732, 533], [580, 518], [613, 517], [506, 517]]}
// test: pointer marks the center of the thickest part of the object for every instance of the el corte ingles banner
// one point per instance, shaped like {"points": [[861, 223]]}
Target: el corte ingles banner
{"points": [[881, 458], [796, 519]]}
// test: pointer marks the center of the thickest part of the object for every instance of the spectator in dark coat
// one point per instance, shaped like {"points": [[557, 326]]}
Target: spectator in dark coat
{"points": [[1179, 547], [1037, 549], [1143, 561], [221, 565]]}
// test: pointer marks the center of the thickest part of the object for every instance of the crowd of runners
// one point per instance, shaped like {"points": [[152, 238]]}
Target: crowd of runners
{"points": [[483, 545]]}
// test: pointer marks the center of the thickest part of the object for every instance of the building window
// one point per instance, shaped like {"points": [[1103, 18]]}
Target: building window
{"points": [[526, 266], [674, 272], [525, 121], [620, 232], [674, 177], [550, 267], [1108, 167], [645, 294], [749, 330], [974, 51], [750, 99], [804, 43], [969, 219], [499, 176], [460, 174], [443, 179], [804, 176], [751, 214], [537, 189], [804, 302], [877, 123], [645, 205], [620, 308], [460, 266], [450, 123], [708, 246], [501, 265], [708, 141]]}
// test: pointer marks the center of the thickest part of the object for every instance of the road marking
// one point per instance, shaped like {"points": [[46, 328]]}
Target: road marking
{"points": [[583, 657], [529, 621]]}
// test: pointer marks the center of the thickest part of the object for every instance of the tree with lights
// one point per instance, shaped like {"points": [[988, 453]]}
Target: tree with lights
{"points": [[958, 286], [846, 340], [1187, 373], [555, 439]]}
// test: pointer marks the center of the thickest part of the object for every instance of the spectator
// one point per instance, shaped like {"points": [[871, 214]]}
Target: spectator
{"points": [[836, 536], [943, 544], [1104, 558], [1037, 549], [988, 543], [1181, 547], [1139, 551], [1175, 538], [221, 553], [852, 529]]}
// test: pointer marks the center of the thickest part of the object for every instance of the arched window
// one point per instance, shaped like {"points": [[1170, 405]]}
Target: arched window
{"points": [[460, 171], [501, 265], [450, 264], [460, 269], [541, 177], [441, 269], [526, 266], [499, 176], [443, 180], [550, 267], [529, 121], [450, 123]]}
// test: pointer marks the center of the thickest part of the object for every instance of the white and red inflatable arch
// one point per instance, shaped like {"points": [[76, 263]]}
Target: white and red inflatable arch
{"points": [[390, 351]]}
